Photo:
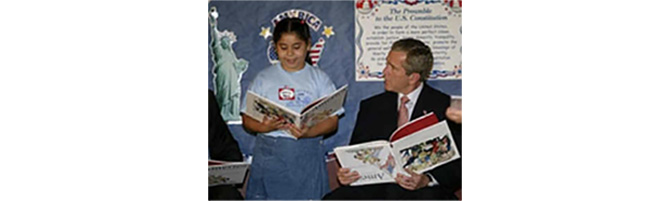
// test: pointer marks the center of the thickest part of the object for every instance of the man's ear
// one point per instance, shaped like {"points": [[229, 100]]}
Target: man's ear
{"points": [[414, 77]]}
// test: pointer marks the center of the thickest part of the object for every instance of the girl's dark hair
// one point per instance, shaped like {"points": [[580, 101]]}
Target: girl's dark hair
{"points": [[296, 26]]}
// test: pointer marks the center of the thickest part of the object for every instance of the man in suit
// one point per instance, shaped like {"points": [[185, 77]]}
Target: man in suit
{"points": [[407, 97], [223, 147]]}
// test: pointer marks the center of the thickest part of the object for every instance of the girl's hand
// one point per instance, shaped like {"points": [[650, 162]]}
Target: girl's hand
{"points": [[297, 132], [272, 123]]}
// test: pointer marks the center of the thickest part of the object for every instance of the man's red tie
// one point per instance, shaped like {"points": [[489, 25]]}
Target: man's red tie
{"points": [[403, 117]]}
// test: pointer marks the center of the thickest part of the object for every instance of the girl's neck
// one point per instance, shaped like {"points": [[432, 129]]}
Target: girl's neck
{"points": [[290, 70]]}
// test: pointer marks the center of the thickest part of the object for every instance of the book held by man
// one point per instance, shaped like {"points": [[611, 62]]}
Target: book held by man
{"points": [[420, 146], [223, 172], [317, 111]]}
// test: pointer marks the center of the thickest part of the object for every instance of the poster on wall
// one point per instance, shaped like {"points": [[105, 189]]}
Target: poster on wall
{"points": [[378, 23]]}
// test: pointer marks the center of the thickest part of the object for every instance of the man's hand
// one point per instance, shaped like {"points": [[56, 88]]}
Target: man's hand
{"points": [[454, 115], [416, 181], [346, 177]]}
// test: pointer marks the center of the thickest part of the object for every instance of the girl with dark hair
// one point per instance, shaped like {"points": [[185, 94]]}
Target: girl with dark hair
{"points": [[293, 26], [288, 162]]}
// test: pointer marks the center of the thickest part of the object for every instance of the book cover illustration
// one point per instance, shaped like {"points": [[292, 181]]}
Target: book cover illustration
{"points": [[317, 111], [371, 156], [427, 149], [428, 153], [373, 161], [419, 146], [264, 107], [321, 109]]}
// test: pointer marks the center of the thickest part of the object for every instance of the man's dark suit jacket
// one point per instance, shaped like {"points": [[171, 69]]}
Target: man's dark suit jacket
{"points": [[377, 119], [222, 146]]}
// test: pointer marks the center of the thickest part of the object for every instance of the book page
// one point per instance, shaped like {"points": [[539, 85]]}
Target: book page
{"points": [[221, 172], [426, 149], [324, 108], [372, 160], [258, 107]]}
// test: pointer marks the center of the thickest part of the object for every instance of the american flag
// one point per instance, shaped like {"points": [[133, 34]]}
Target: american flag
{"points": [[316, 50], [272, 53]]}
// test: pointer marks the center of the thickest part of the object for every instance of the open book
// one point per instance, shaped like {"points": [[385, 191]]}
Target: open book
{"points": [[315, 112], [222, 172], [420, 146]]}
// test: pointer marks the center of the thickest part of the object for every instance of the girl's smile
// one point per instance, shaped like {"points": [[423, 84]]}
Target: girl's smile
{"points": [[291, 51]]}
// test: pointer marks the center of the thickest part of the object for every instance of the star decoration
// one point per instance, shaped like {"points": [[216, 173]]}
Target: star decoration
{"points": [[265, 32], [328, 31]]}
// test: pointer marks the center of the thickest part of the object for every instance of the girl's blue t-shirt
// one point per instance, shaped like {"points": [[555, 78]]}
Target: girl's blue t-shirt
{"points": [[294, 90]]}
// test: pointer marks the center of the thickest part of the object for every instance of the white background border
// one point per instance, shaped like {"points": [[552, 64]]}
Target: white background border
{"points": [[106, 100]]}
